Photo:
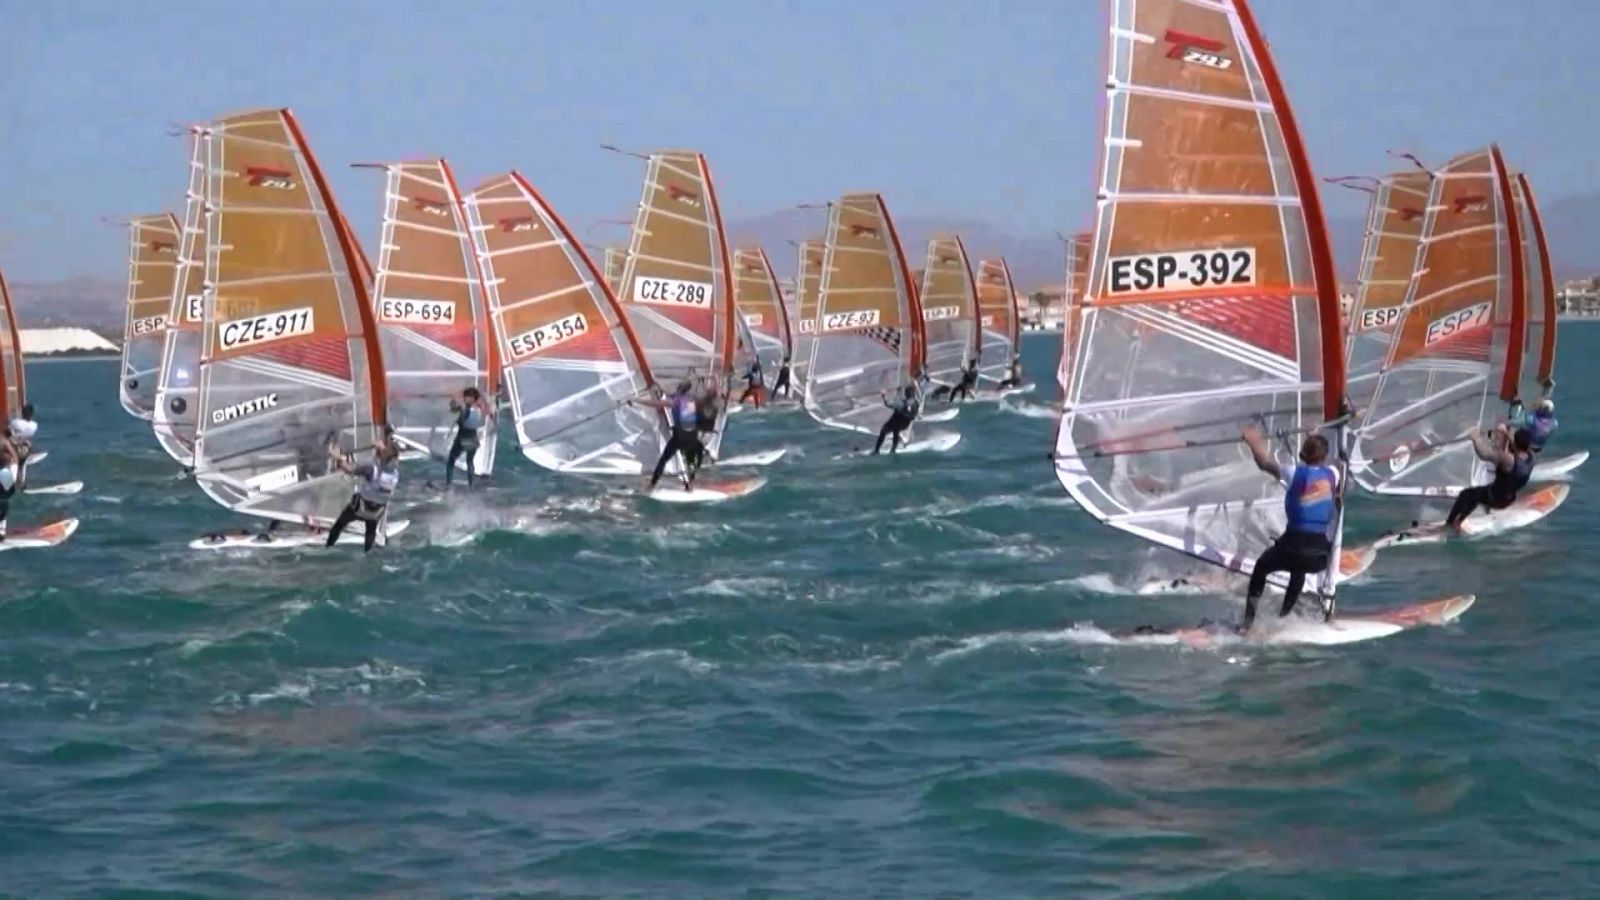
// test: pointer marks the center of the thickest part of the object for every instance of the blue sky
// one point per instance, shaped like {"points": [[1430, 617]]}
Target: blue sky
{"points": [[985, 111]]}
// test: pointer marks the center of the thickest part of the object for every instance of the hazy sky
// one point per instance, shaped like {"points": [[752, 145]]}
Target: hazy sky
{"points": [[982, 110]]}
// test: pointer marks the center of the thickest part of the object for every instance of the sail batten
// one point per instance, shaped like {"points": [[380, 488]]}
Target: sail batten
{"points": [[998, 325], [13, 388], [176, 409], [152, 269]]}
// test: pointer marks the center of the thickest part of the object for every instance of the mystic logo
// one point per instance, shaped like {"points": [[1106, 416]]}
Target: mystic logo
{"points": [[238, 410], [163, 247], [1192, 48], [431, 206], [523, 223], [682, 195], [277, 179], [1473, 203], [1456, 323], [863, 231]]}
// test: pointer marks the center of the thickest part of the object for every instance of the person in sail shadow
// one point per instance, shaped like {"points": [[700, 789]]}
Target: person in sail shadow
{"points": [[1311, 503], [472, 414], [685, 439], [902, 412], [375, 484]]}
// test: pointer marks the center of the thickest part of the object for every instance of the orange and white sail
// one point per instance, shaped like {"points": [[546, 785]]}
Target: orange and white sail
{"points": [[616, 261], [1211, 300], [1395, 219], [290, 367], [998, 324], [949, 299], [869, 336], [433, 321], [761, 304], [1539, 354], [1458, 344], [13, 390], [152, 266], [572, 364], [1080, 248], [177, 401], [807, 289]]}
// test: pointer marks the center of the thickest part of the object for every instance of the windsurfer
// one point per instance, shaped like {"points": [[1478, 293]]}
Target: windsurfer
{"points": [[1513, 466], [472, 414], [753, 385], [1311, 503], [22, 430], [375, 484], [902, 412], [708, 411], [685, 439], [782, 386], [1013, 377], [1541, 422], [969, 380], [8, 481]]}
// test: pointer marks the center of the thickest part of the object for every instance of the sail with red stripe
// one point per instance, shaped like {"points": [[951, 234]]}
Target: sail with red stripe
{"points": [[1455, 358], [1210, 302], [290, 367], [152, 267], [807, 288], [616, 261], [177, 406], [1079, 249], [999, 328], [869, 336], [1395, 219], [1539, 354], [572, 365], [949, 310], [433, 323], [12, 387], [761, 305]]}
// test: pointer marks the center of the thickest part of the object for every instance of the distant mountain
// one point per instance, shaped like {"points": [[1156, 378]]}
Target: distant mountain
{"points": [[83, 301]]}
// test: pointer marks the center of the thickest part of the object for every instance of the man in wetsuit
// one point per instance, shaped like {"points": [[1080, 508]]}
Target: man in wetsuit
{"points": [[23, 430], [1541, 422], [781, 386], [1311, 504], [753, 384], [8, 481], [1014, 377], [1513, 465], [969, 381], [375, 484], [902, 412], [472, 416], [685, 439]]}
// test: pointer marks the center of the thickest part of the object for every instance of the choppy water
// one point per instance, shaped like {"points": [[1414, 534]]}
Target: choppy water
{"points": [[864, 680]]}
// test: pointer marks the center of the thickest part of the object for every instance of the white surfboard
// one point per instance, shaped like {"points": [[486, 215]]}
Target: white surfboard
{"points": [[39, 457], [937, 442], [1529, 508], [1310, 631], [66, 487], [943, 415], [352, 536], [1353, 561], [763, 458], [41, 536], [1561, 465], [714, 491]]}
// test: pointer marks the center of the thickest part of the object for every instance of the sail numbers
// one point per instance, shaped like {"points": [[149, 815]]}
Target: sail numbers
{"points": [[1155, 273], [264, 329], [546, 336]]}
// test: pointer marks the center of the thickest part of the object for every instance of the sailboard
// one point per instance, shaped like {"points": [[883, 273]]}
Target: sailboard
{"points": [[911, 442], [1301, 631], [760, 301], [152, 266], [353, 536], [949, 302], [290, 368], [1456, 355], [869, 336], [65, 488], [1000, 331], [433, 324], [709, 490], [1396, 215], [807, 288], [1080, 250], [1211, 301], [175, 416], [1530, 507], [39, 536], [572, 363]]}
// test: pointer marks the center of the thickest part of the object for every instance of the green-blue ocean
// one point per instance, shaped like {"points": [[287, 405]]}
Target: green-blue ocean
{"points": [[866, 679]]}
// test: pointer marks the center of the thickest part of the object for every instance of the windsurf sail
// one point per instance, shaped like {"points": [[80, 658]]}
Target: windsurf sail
{"points": [[12, 388], [1080, 248], [1539, 356], [1000, 330], [616, 261], [1457, 346], [432, 320], [152, 266], [290, 366], [677, 284], [949, 310], [760, 300], [807, 288], [571, 361], [177, 403], [1211, 300], [1395, 218], [869, 337]]}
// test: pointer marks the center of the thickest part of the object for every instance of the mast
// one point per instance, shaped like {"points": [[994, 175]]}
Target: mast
{"points": [[1511, 365], [1547, 299], [13, 389]]}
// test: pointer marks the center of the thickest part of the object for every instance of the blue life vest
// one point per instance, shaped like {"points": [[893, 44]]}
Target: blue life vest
{"points": [[1540, 426], [684, 414], [1309, 502], [471, 419]]}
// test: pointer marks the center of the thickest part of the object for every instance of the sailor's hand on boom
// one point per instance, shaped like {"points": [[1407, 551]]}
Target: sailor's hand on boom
{"points": [[1258, 450]]}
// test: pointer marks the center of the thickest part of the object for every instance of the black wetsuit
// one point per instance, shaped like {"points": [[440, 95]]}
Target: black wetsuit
{"points": [[903, 414], [1311, 503], [969, 380], [5, 502], [685, 439], [1497, 494], [368, 503], [781, 386], [466, 442]]}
